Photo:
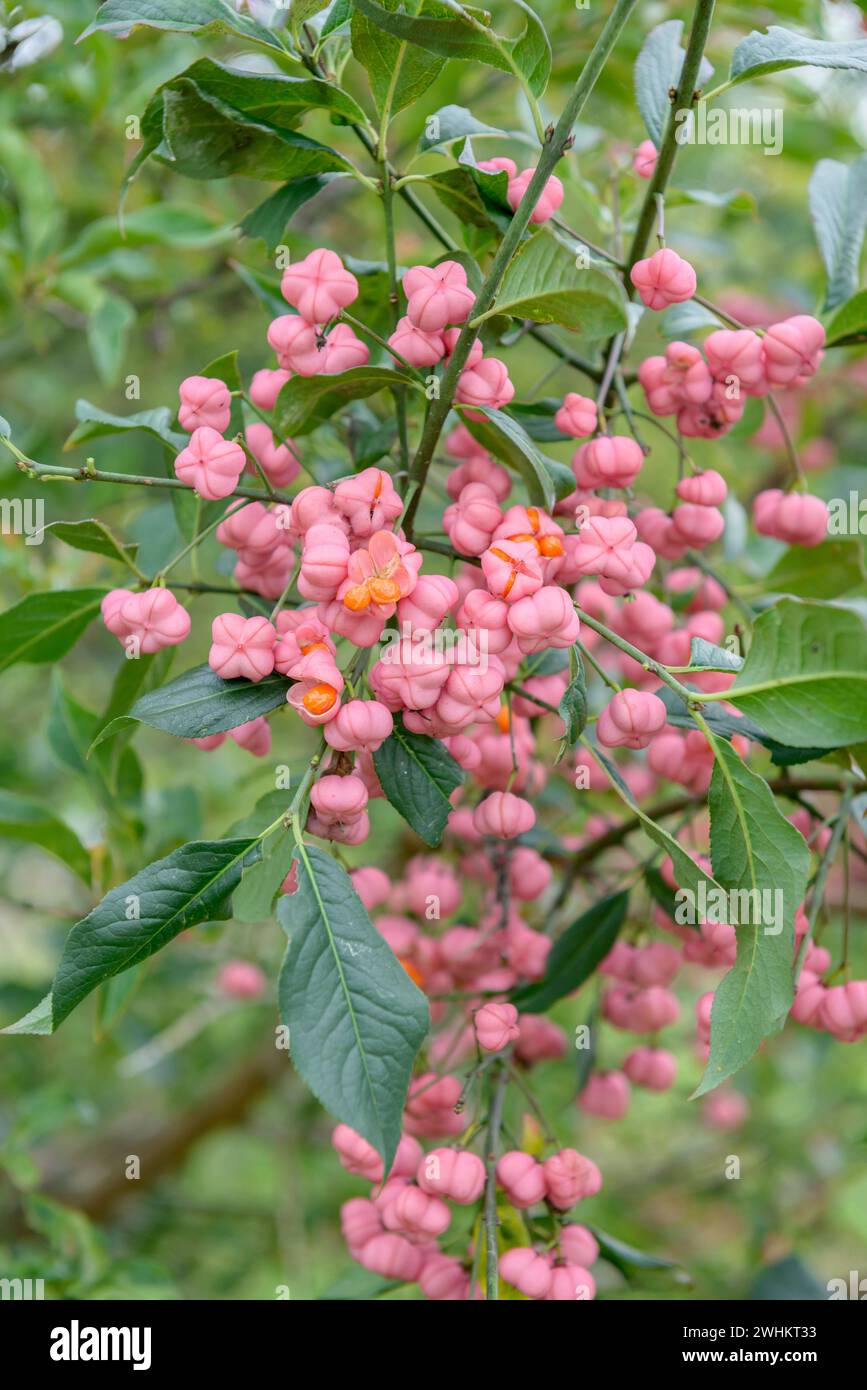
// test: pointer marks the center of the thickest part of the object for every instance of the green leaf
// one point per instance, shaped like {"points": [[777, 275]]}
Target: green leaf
{"points": [[260, 883], [121, 17], [760, 855], [43, 627], [94, 423], [225, 369], [657, 70], [779, 48], [439, 30], [465, 192], [625, 1257], [355, 1019], [358, 1285], [93, 536], [193, 884], [818, 572], [269, 99], [25, 820], [573, 702], [537, 418], [199, 703], [849, 323], [271, 218], [707, 656], [686, 871], [36, 1023], [398, 70], [302, 10], [453, 123], [727, 725], [305, 402], [787, 1280], [544, 283], [547, 479], [418, 775], [575, 955], [804, 680], [160, 224], [838, 207], [107, 332], [204, 139], [135, 674]]}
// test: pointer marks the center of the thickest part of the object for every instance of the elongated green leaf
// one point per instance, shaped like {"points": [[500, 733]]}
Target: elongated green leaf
{"points": [[93, 536], [657, 70], [547, 479], [199, 703], [418, 775], [823, 571], [204, 139], [160, 224], [452, 123], [399, 71], [575, 955], [121, 17], [95, 422], [193, 884], [804, 680], [355, 1019], [838, 207], [573, 703], [686, 871], [260, 883], [271, 99], [306, 402], [762, 862], [625, 1257], [43, 627], [25, 820], [544, 283], [439, 30], [849, 323], [271, 218], [706, 656], [727, 725], [779, 48]]}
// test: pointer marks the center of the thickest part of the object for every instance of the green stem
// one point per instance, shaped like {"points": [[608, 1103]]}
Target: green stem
{"points": [[655, 667], [499, 1081], [684, 100], [96, 475], [556, 144]]}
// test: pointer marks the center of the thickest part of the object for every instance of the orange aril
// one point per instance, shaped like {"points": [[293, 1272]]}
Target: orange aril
{"points": [[319, 698], [357, 597], [383, 590]]}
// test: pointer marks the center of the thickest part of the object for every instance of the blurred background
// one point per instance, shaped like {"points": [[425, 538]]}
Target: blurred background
{"points": [[238, 1191]]}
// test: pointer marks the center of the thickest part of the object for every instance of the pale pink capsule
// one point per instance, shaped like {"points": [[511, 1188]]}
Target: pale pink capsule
{"points": [[204, 401]]}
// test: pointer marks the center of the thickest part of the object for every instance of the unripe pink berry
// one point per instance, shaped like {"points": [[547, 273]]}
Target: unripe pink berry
{"points": [[504, 815], [522, 1178], [454, 1174], [606, 1095], [663, 278], [570, 1177], [496, 1026], [210, 464], [241, 979], [651, 1067], [526, 1271], [204, 401]]}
